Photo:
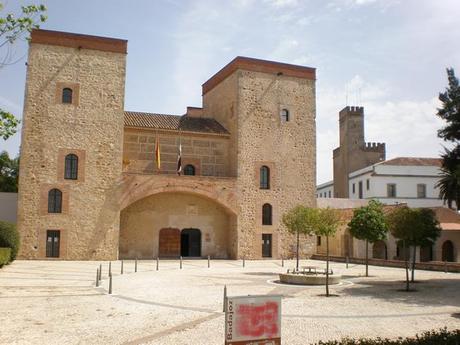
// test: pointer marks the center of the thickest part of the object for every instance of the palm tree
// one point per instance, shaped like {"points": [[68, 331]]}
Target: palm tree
{"points": [[449, 185]]}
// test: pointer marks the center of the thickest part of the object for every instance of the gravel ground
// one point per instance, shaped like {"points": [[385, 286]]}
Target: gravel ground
{"points": [[56, 302]]}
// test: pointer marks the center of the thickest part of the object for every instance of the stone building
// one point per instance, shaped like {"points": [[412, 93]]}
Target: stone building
{"points": [[90, 186], [353, 153]]}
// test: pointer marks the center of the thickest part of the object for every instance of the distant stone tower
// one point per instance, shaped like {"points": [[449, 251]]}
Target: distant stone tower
{"points": [[71, 151], [353, 153], [269, 109]]}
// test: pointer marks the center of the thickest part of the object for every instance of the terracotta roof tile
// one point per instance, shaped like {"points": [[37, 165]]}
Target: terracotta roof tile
{"points": [[173, 122], [414, 161]]}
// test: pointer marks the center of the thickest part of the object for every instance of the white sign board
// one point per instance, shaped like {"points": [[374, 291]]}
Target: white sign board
{"points": [[254, 320]]}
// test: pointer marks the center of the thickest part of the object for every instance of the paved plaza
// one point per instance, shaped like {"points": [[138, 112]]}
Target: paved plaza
{"points": [[56, 302]]}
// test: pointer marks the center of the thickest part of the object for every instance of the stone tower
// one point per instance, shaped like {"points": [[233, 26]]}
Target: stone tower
{"points": [[71, 150], [353, 153], [269, 109]]}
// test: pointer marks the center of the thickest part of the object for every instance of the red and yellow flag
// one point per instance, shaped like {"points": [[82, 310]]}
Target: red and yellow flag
{"points": [[157, 153]]}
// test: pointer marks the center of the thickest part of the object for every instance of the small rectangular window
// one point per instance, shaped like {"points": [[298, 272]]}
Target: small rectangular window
{"points": [[318, 240], [329, 194], [368, 184], [353, 188], [391, 190], [360, 189], [421, 190]]}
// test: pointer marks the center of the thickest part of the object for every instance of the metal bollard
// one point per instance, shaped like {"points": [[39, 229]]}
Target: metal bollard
{"points": [[97, 277], [180, 262], [158, 263], [110, 268], [244, 263], [121, 269], [347, 260], [282, 262], [135, 265], [209, 262], [110, 284], [100, 272], [225, 299]]}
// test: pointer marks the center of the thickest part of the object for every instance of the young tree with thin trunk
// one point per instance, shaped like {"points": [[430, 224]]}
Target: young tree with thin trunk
{"points": [[325, 223], [369, 224], [298, 220], [413, 227]]}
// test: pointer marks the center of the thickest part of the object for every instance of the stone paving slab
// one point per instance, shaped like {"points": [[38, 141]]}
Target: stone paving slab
{"points": [[56, 302]]}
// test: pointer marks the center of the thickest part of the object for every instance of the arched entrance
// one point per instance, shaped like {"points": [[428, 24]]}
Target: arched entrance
{"points": [[448, 251], [190, 243], [379, 250]]}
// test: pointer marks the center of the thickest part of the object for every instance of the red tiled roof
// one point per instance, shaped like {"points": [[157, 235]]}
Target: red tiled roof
{"points": [[173, 122], [414, 161]]}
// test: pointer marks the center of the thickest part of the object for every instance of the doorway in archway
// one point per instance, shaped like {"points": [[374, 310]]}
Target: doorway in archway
{"points": [[448, 251], [190, 243]]}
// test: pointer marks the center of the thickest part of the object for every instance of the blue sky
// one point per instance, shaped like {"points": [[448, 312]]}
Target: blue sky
{"points": [[388, 56]]}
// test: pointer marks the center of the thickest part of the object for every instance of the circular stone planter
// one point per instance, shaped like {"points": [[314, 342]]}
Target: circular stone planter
{"points": [[309, 279]]}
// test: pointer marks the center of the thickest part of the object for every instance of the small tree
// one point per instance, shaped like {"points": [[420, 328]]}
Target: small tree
{"points": [[12, 29], [298, 221], [427, 230], [401, 223], [325, 223], [369, 224], [9, 173], [414, 227]]}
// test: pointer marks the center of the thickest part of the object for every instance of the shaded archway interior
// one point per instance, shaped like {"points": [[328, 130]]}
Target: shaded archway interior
{"points": [[173, 224]]}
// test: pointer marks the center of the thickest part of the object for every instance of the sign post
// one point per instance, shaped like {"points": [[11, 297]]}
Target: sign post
{"points": [[253, 320]]}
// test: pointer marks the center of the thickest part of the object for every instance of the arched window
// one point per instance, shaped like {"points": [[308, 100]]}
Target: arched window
{"points": [[284, 115], [267, 214], [71, 167], [189, 170], [54, 201], [67, 95], [264, 177]]}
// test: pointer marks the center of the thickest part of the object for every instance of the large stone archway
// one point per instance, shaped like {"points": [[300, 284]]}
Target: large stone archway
{"points": [[152, 204]]}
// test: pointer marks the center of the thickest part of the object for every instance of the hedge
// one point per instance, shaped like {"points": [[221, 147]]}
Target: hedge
{"points": [[5, 254], [435, 337], [9, 238]]}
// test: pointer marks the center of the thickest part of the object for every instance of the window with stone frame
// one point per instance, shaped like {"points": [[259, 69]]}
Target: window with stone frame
{"points": [[264, 177], [67, 94], [54, 201], [284, 113], [391, 190], [267, 214], [71, 167], [421, 190], [189, 169]]}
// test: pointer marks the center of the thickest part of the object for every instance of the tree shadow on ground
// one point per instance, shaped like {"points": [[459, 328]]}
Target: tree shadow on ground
{"points": [[428, 292]]}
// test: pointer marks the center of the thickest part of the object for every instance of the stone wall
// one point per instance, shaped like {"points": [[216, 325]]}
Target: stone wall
{"points": [[207, 153], [93, 124], [142, 221]]}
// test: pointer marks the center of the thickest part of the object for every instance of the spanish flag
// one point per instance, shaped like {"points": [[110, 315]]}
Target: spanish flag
{"points": [[157, 153]]}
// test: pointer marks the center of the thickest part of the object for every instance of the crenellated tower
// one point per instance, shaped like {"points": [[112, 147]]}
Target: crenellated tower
{"points": [[353, 153]]}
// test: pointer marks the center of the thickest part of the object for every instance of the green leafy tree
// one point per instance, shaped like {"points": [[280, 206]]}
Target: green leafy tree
{"points": [[9, 173], [12, 29], [299, 221], [325, 222], [369, 224], [449, 184], [450, 110], [413, 227]]}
